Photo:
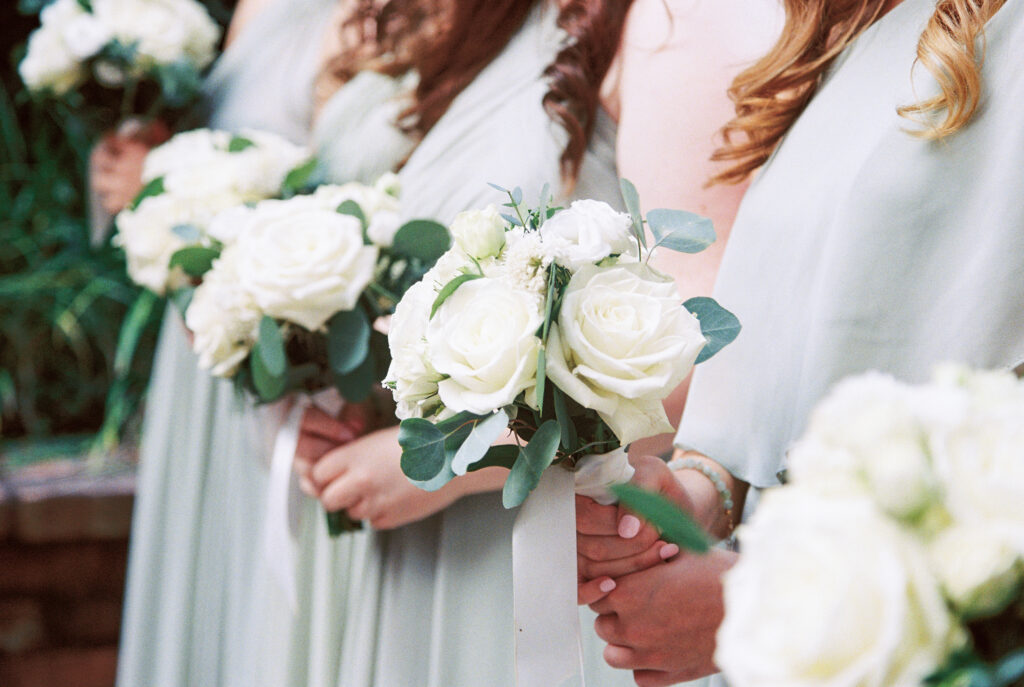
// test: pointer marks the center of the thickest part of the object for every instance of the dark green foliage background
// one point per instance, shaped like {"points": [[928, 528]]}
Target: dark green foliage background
{"points": [[62, 301]]}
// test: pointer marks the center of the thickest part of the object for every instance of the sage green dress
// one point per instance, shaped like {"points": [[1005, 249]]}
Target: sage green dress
{"points": [[431, 605], [861, 247], [201, 479], [356, 139]]}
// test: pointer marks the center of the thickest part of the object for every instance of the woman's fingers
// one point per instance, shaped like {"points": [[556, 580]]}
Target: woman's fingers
{"points": [[594, 519], [654, 555], [594, 590], [319, 423]]}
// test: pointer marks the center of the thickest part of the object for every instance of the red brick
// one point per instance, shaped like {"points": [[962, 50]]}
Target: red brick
{"points": [[67, 570], [22, 625], [95, 621], [92, 667]]}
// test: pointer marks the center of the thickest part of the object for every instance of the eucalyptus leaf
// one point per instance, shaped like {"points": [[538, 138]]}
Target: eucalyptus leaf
{"points": [[268, 362], [357, 385], [542, 377], [180, 82], [195, 261], [448, 289], [568, 427], [339, 522], [422, 239], [300, 177], [351, 207], [719, 326], [511, 219], [517, 195], [239, 143], [422, 445], [675, 524], [188, 233], [632, 200], [475, 447], [153, 188], [503, 455], [497, 188], [1010, 668], [533, 460], [681, 231], [348, 340]]}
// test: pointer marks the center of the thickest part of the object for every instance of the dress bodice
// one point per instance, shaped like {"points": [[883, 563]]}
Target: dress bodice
{"points": [[863, 247], [264, 80]]}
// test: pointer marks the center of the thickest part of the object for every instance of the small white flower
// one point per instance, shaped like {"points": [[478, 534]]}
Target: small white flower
{"points": [[383, 227], [479, 233], [223, 319], [593, 231], [410, 376]]}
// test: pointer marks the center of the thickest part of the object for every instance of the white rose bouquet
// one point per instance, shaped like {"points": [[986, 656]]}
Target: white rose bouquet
{"points": [[294, 287], [167, 232], [895, 557], [120, 58], [549, 322]]}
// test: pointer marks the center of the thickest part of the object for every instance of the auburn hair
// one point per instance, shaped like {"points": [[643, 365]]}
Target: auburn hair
{"points": [[449, 43], [771, 94]]}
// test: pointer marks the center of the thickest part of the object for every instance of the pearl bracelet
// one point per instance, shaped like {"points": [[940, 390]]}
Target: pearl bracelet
{"points": [[716, 479]]}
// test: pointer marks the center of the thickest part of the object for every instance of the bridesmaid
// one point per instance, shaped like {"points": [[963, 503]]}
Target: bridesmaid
{"points": [[447, 576], [191, 557], [884, 232]]}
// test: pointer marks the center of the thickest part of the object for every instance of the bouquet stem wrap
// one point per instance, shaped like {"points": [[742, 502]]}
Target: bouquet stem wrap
{"points": [[548, 650], [283, 495]]}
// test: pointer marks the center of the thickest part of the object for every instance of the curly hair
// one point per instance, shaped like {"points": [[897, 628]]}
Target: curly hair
{"points": [[449, 43], [771, 94]]}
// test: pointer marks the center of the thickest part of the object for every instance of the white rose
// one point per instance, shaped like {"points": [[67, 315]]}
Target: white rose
{"points": [[223, 319], [184, 151], [412, 379], [262, 168], [383, 227], [479, 233], [163, 31], [85, 36], [147, 236], [49, 64], [830, 593], [622, 343], [980, 571], [981, 469], [304, 266], [593, 231], [483, 338], [870, 432]]}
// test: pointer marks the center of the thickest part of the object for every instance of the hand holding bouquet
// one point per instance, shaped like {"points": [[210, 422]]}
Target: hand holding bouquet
{"points": [[549, 322]]}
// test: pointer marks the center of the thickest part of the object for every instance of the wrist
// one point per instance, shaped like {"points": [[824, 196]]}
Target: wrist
{"points": [[711, 487]]}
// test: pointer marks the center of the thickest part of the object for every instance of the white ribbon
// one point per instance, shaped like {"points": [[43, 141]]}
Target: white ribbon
{"points": [[548, 649], [283, 513]]}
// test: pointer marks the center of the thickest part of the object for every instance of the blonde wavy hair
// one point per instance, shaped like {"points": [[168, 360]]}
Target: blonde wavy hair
{"points": [[771, 94]]}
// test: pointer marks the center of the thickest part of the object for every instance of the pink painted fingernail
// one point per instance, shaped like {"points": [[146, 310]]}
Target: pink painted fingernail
{"points": [[667, 551], [629, 527], [606, 586]]}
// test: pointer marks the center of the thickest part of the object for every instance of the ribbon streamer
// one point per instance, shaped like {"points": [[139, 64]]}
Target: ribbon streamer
{"points": [[547, 621], [283, 513]]}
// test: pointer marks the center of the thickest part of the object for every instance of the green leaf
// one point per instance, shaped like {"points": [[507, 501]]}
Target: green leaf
{"points": [[195, 260], [503, 456], [484, 433], [153, 188], [565, 422], [511, 219], [300, 177], [533, 460], [1010, 668], [134, 324], [356, 386], [422, 445], [542, 377], [348, 340], [680, 230], [448, 289], [632, 200], [268, 362], [240, 143], [675, 525], [719, 326], [339, 522], [517, 195], [351, 207], [422, 239], [180, 82], [498, 188]]}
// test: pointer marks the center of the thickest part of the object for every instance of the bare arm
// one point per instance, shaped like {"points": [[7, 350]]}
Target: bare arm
{"points": [[669, 90]]}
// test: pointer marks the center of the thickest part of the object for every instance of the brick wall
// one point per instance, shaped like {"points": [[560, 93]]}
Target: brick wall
{"points": [[63, 548]]}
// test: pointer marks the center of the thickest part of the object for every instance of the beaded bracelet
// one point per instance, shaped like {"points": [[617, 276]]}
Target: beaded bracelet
{"points": [[723, 491]]}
